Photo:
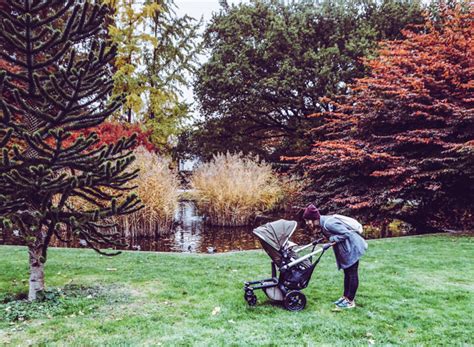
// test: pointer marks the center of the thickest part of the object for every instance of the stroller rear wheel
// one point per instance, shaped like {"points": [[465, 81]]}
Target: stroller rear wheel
{"points": [[250, 297], [295, 301]]}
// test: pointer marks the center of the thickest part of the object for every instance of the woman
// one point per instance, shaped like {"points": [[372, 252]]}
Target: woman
{"points": [[349, 246]]}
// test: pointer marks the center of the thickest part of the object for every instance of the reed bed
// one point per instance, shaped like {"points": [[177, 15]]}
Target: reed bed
{"points": [[231, 189], [158, 189]]}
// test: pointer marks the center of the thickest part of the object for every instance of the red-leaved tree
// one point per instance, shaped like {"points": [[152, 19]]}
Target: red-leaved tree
{"points": [[401, 145], [111, 132]]}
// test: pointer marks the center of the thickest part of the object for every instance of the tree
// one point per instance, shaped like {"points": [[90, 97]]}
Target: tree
{"points": [[156, 50], [401, 145], [61, 82], [271, 62], [111, 132]]}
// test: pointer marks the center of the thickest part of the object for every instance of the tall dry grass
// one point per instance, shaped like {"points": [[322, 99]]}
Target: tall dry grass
{"points": [[158, 189], [231, 189]]}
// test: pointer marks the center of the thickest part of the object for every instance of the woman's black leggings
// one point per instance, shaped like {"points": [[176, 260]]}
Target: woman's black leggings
{"points": [[351, 281]]}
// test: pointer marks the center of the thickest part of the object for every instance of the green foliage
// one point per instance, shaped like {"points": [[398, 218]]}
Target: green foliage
{"points": [[272, 61], [156, 51], [70, 300], [57, 81]]}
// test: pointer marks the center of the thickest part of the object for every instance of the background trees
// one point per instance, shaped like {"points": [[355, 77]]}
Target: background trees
{"points": [[402, 143], [58, 81], [157, 50], [271, 62]]}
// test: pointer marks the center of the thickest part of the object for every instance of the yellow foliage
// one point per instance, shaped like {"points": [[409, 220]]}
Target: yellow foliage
{"points": [[134, 101], [150, 9]]}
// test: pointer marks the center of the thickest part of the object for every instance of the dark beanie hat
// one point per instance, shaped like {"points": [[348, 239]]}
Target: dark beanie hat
{"points": [[311, 212]]}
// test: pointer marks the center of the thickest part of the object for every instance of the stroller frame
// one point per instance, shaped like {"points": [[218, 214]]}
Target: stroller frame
{"points": [[294, 275]]}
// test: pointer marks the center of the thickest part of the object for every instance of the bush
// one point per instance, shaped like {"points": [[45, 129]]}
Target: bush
{"points": [[231, 189], [111, 132]]}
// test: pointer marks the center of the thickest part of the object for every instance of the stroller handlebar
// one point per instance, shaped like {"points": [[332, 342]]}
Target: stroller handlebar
{"points": [[323, 249], [315, 242]]}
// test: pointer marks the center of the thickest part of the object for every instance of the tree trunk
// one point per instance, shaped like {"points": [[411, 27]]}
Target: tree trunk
{"points": [[36, 272]]}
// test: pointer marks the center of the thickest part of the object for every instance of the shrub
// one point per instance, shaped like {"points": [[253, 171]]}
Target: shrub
{"points": [[231, 189], [111, 132]]}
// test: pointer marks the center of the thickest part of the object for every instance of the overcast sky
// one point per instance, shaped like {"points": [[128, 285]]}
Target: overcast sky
{"points": [[198, 8]]}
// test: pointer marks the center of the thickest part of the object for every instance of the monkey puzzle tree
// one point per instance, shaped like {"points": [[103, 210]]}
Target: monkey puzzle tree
{"points": [[59, 81]]}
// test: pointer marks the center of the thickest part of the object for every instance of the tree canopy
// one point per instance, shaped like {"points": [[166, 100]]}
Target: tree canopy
{"points": [[272, 61], [156, 51], [401, 145]]}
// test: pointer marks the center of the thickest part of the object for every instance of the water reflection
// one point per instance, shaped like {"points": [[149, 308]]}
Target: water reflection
{"points": [[191, 234]]}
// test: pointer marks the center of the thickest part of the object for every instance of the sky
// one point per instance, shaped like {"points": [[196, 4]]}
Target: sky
{"points": [[198, 8]]}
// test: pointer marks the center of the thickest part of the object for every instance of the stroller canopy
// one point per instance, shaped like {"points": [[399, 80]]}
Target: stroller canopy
{"points": [[276, 234]]}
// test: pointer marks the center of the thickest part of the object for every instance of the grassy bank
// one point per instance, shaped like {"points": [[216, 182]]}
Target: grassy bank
{"points": [[414, 290]]}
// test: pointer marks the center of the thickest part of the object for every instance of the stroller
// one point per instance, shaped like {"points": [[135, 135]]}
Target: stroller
{"points": [[294, 271]]}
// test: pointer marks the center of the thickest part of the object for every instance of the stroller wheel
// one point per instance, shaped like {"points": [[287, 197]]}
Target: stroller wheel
{"points": [[295, 301], [250, 297]]}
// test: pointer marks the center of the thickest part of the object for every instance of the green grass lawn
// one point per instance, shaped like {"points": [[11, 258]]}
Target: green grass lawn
{"points": [[413, 290]]}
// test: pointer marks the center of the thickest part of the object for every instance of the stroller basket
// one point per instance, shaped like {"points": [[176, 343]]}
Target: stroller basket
{"points": [[290, 272]]}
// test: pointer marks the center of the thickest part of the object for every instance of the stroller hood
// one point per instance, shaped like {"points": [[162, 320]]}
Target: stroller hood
{"points": [[276, 234]]}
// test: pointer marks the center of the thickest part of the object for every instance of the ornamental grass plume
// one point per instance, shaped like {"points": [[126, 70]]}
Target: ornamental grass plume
{"points": [[231, 189], [157, 187]]}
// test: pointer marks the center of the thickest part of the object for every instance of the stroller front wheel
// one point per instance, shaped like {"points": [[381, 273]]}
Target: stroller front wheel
{"points": [[250, 297], [295, 301]]}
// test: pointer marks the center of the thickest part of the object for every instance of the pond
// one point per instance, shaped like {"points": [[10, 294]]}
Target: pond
{"points": [[192, 234]]}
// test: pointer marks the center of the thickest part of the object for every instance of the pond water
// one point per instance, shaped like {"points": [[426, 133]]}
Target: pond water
{"points": [[192, 234]]}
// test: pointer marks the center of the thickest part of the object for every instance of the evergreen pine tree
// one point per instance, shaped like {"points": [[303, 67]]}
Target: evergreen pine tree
{"points": [[59, 81]]}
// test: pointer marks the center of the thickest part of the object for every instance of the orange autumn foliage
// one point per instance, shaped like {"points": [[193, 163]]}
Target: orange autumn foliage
{"points": [[111, 132], [401, 145]]}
